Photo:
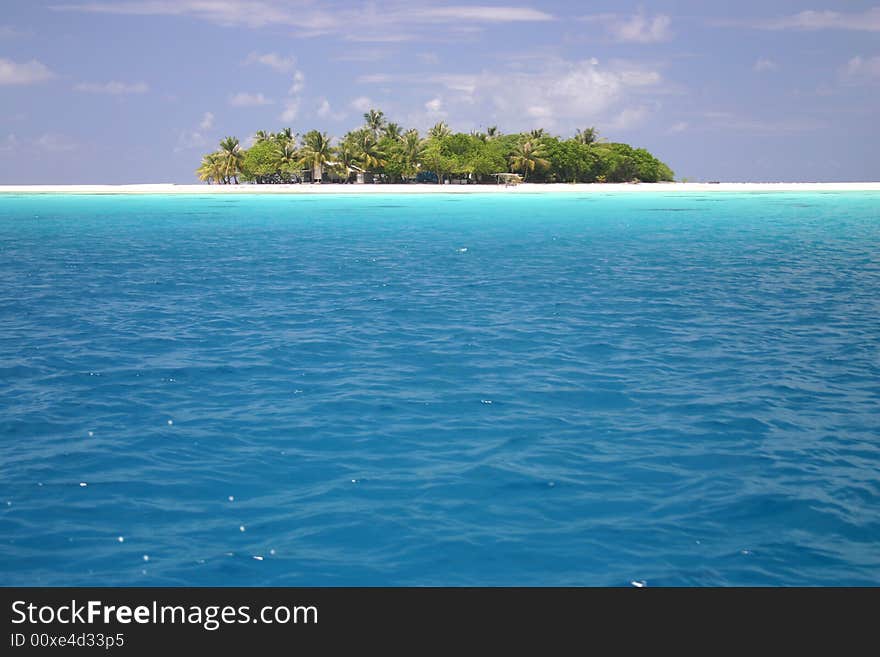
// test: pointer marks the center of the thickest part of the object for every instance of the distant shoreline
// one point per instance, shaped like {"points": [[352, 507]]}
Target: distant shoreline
{"points": [[524, 188]]}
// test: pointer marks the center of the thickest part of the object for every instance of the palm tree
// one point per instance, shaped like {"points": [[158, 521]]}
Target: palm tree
{"points": [[367, 148], [287, 135], [211, 169], [393, 131], [375, 121], [205, 172], [440, 130], [434, 160], [586, 136], [346, 157], [537, 133], [482, 136], [492, 132], [411, 151], [262, 135], [316, 153], [285, 159], [527, 156], [232, 156]]}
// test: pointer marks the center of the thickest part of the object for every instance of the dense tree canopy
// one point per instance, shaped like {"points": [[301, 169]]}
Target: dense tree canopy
{"points": [[389, 153]]}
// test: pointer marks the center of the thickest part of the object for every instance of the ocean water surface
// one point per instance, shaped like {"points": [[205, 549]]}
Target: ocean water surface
{"points": [[675, 389]]}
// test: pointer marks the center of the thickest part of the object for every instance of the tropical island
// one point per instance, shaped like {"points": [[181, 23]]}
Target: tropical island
{"points": [[382, 151]]}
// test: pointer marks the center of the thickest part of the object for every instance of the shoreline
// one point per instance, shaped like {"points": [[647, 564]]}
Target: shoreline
{"points": [[523, 188]]}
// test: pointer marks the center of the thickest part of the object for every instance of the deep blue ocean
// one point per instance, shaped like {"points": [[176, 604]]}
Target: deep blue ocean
{"points": [[668, 389]]}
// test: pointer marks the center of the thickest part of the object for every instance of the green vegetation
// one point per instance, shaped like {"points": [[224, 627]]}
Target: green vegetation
{"points": [[384, 151]]}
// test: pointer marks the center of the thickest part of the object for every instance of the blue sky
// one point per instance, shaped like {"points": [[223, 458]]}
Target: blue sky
{"points": [[122, 91]]}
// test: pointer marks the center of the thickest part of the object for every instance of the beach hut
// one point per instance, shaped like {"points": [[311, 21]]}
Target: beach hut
{"points": [[509, 179], [361, 177]]}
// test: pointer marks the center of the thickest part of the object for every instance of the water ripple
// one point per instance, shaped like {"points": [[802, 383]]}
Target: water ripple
{"points": [[645, 389]]}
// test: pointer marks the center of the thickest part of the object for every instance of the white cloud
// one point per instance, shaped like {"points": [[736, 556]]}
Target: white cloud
{"points": [[47, 142], [362, 103], [314, 19], [189, 139], [113, 88], [560, 94], [52, 143], [375, 78], [434, 105], [24, 73], [638, 28], [363, 55], [678, 127], [272, 60], [462, 82], [763, 65], [629, 117], [480, 14], [540, 111], [429, 57], [245, 99], [862, 69], [380, 37], [759, 126], [9, 32], [325, 111], [636, 77], [9, 144], [291, 110], [299, 82], [292, 103], [250, 13], [434, 111], [866, 21]]}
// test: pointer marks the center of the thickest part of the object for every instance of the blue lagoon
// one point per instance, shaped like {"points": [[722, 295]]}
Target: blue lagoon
{"points": [[550, 389]]}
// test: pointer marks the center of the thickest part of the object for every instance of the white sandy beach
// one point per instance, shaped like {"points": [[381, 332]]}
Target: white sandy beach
{"points": [[525, 188]]}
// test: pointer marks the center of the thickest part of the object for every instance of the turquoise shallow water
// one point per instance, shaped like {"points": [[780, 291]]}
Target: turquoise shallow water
{"points": [[424, 390]]}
